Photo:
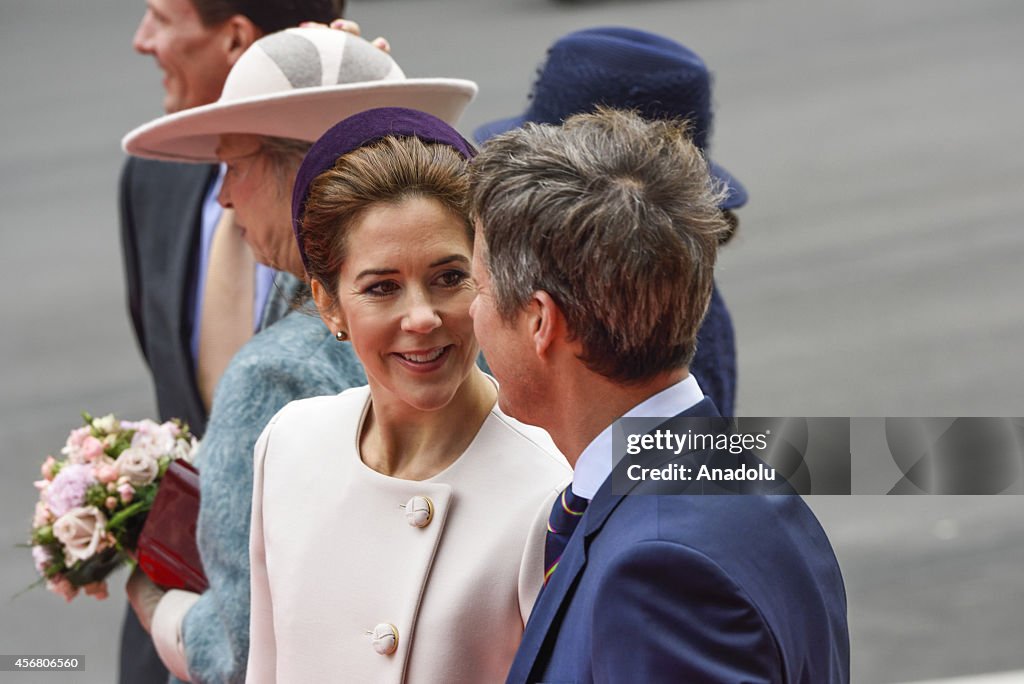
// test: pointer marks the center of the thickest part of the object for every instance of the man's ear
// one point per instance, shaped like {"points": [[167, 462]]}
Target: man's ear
{"points": [[239, 34], [330, 313], [546, 323]]}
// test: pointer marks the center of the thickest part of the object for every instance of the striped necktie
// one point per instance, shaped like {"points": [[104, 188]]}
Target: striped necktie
{"points": [[565, 515]]}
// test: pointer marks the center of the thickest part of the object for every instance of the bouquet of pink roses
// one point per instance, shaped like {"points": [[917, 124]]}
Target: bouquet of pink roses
{"points": [[93, 502]]}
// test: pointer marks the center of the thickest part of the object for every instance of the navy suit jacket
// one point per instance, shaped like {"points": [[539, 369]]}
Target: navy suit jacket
{"points": [[678, 588]]}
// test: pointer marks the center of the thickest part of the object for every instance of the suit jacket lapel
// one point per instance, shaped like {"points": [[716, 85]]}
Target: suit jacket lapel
{"points": [[548, 606], [554, 596]]}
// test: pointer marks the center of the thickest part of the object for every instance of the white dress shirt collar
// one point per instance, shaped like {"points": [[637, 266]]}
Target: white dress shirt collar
{"points": [[595, 463]]}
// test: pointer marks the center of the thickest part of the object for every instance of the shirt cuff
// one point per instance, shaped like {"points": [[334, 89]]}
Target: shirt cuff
{"points": [[166, 630]]}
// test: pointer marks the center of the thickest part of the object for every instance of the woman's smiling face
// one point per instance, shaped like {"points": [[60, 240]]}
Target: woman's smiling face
{"points": [[403, 297]]}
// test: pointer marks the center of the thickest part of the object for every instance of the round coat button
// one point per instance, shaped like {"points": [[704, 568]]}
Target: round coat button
{"points": [[419, 511], [385, 638]]}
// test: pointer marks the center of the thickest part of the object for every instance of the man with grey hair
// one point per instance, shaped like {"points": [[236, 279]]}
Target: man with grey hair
{"points": [[593, 260]]}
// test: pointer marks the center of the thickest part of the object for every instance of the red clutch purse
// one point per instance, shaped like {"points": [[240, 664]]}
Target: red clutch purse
{"points": [[167, 550]]}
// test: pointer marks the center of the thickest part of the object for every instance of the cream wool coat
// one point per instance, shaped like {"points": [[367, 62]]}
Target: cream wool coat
{"points": [[333, 555]]}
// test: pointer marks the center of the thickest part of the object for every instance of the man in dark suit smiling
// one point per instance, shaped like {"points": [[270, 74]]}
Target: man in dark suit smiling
{"points": [[593, 260]]}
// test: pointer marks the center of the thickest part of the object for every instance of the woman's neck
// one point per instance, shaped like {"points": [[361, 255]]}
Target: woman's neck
{"points": [[401, 441]]}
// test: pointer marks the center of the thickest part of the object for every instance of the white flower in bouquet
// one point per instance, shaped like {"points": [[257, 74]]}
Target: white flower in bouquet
{"points": [[107, 424], [185, 450], [82, 531], [140, 466], [159, 440]]}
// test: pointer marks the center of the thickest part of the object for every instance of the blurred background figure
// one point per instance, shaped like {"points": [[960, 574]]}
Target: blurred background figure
{"points": [[660, 79], [169, 231], [281, 94]]}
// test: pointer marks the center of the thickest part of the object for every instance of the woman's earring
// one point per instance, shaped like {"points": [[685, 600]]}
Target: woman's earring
{"points": [[341, 335]]}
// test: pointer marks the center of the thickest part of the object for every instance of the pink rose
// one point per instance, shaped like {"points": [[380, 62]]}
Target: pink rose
{"points": [[73, 447], [82, 532], [62, 585], [138, 466], [77, 437], [98, 590], [91, 449], [127, 492], [47, 469], [107, 473], [110, 503]]}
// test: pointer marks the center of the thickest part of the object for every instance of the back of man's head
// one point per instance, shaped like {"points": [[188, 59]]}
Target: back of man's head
{"points": [[270, 15], [617, 219]]}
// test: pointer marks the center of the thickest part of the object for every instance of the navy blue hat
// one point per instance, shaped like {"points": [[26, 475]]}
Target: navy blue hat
{"points": [[360, 130], [624, 69]]}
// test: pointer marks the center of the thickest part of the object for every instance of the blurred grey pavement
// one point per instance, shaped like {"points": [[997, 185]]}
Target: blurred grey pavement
{"points": [[873, 275]]}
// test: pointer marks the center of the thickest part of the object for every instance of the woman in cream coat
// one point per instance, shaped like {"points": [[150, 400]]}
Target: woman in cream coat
{"points": [[397, 528]]}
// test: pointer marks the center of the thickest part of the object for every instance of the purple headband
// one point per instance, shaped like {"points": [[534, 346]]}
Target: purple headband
{"points": [[358, 131]]}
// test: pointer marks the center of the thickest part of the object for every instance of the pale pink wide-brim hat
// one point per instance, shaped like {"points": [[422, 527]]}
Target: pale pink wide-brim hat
{"points": [[296, 84]]}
